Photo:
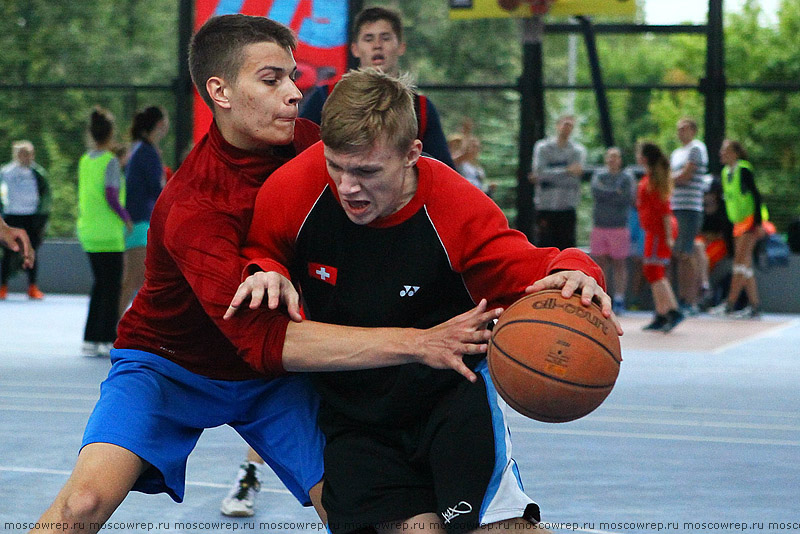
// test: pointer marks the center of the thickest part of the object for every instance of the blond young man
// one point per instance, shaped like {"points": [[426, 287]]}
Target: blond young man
{"points": [[367, 228]]}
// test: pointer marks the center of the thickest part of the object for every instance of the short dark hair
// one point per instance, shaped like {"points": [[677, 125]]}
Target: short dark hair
{"points": [[216, 48], [374, 14]]}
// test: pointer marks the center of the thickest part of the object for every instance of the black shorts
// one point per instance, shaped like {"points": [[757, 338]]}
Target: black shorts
{"points": [[455, 463]]}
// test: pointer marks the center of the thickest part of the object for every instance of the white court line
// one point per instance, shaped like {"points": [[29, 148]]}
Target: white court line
{"points": [[701, 424], [59, 396], [61, 472], [654, 436], [765, 333]]}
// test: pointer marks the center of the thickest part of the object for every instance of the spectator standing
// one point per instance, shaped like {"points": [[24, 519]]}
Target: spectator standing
{"points": [[747, 213], [613, 195], [688, 164], [144, 178], [557, 169], [26, 203], [102, 222], [377, 42], [469, 167], [658, 222]]}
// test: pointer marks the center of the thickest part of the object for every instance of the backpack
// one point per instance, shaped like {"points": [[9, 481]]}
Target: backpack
{"points": [[771, 251]]}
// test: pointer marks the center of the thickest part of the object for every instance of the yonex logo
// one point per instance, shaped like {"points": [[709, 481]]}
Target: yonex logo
{"points": [[409, 291]]}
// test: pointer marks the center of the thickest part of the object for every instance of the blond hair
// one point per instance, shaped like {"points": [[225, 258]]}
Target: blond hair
{"points": [[20, 146], [368, 105]]}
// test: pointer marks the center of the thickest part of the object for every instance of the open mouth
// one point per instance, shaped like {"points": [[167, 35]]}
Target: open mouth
{"points": [[378, 58], [357, 205]]}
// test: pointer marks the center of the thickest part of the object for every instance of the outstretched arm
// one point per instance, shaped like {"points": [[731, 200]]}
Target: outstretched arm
{"points": [[313, 346]]}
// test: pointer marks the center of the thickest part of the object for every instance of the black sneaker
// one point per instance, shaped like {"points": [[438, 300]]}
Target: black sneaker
{"points": [[674, 317], [657, 324]]}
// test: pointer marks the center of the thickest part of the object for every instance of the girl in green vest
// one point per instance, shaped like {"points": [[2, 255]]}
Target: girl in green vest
{"points": [[102, 224], [747, 213]]}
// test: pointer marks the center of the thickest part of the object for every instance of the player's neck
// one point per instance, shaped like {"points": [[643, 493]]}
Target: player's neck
{"points": [[235, 138], [410, 184]]}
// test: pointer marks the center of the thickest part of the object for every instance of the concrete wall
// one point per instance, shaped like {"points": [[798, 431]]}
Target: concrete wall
{"points": [[64, 268], [779, 287]]}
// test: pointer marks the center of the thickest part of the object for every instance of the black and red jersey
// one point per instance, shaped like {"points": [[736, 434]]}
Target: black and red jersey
{"points": [[435, 258]]}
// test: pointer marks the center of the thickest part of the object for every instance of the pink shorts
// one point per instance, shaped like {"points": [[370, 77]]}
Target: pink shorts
{"points": [[614, 242]]}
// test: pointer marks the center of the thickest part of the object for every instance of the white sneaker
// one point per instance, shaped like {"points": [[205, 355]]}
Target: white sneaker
{"points": [[240, 501], [748, 312], [104, 349], [89, 348], [720, 310]]}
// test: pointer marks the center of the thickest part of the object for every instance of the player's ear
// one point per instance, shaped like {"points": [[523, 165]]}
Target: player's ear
{"points": [[218, 91], [414, 152], [401, 49]]}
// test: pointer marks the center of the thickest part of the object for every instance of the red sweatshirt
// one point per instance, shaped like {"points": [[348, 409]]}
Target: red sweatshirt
{"points": [[193, 265], [652, 208]]}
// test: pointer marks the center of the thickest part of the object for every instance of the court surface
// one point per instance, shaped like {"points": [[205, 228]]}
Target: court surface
{"points": [[701, 434]]}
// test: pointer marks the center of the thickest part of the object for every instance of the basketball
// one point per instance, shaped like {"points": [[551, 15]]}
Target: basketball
{"points": [[552, 359]]}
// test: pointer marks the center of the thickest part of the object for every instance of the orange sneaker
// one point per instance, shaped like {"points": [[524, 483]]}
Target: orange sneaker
{"points": [[34, 292], [3, 292]]}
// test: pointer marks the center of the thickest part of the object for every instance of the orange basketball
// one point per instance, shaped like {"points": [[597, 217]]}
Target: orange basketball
{"points": [[553, 359]]}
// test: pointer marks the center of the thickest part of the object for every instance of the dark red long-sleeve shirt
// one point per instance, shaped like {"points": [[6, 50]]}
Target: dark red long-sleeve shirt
{"points": [[193, 265]]}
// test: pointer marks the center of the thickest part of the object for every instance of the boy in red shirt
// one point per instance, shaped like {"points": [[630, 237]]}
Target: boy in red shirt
{"points": [[178, 367]]}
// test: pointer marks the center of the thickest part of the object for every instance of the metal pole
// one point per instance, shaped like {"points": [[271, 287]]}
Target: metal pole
{"points": [[355, 6], [597, 81], [714, 85], [531, 128], [182, 85]]}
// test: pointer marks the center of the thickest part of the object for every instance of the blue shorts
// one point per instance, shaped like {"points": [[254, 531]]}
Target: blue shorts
{"points": [[157, 410], [138, 236], [689, 225]]}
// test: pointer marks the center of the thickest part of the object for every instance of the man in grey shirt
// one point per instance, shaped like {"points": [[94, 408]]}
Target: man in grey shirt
{"points": [[557, 169]]}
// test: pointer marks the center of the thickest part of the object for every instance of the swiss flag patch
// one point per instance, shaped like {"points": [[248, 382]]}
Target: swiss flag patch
{"points": [[326, 273]]}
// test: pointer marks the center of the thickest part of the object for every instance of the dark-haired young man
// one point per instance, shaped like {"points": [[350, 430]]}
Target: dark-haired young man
{"points": [[377, 41], [178, 368]]}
